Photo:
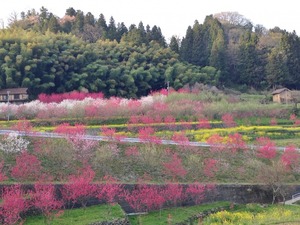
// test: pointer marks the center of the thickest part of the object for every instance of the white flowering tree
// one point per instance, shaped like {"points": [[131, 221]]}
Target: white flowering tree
{"points": [[13, 143]]}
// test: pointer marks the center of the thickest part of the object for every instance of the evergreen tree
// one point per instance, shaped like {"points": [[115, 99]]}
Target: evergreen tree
{"points": [[101, 24], [217, 46], [44, 14], [23, 15], [187, 45], [79, 21], [250, 65], [156, 35], [199, 56], [174, 44], [134, 36], [53, 24], [291, 46], [277, 73], [70, 12], [44, 19], [142, 32], [148, 33], [121, 30], [112, 30], [132, 27], [89, 19]]}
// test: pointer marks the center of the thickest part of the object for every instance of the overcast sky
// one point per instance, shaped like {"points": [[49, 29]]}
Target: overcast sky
{"points": [[172, 16]]}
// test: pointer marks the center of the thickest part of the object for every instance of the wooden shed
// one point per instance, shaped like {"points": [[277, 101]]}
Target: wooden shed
{"points": [[13, 95], [282, 95]]}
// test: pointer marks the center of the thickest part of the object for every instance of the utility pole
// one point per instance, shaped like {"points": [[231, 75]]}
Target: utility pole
{"points": [[168, 87], [8, 105]]}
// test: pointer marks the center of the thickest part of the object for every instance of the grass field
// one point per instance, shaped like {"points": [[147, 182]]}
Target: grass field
{"points": [[250, 214], [174, 215], [81, 216]]}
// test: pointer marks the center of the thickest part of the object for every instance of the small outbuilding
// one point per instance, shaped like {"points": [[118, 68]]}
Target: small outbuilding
{"points": [[282, 95], [13, 95]]}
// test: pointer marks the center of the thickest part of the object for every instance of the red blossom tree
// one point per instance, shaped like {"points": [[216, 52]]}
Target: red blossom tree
{"points": [[293, 117], [135, 199], [67, 129], [195, 192], [174, 167], [28, 167], [12, 205], [132, 151], [180, 138], [155, 198], [144, 198], [79, 187], [74, 95], [38, 145], [186, 124], [146, 119], [170, 121], [134, 106], [44, 199], [134, 119], [273, 121], [147, 134], [91, 111], [297, 122], [157, 119], [228, 120], [160, 108], [23, 125], [210, 167], [203, 123], [216, 143], [290, 157], [173, 193], [235, 142], [75, 136], [110, 133], [266, 148], [110, 190]]}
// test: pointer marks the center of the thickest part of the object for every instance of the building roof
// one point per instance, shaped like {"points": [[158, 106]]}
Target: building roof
{"points": [[278, 91], [13, 91]]}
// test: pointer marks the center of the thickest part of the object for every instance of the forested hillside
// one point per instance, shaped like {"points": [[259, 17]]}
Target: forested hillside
{"points": [[247, 55], [48, 54]]}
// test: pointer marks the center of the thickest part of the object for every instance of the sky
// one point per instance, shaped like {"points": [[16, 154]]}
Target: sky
{"points": [[173, 16]]}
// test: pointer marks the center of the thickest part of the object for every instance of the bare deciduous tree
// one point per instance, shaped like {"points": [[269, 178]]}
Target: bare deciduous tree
{"points": [[233, 18], [13, 18]]}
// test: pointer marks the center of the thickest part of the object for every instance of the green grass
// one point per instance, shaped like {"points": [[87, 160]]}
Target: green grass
{"points": [[261, 215], [173, 215], [82, 216], [262, 121], [286, 142]]}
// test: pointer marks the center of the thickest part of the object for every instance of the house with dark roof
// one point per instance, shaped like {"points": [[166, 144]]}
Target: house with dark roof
{"points": [[13, 95], [282, 95]]}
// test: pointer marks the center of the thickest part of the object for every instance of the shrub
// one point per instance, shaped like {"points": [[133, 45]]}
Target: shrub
{"points": [[28, 167], [12, 205]]}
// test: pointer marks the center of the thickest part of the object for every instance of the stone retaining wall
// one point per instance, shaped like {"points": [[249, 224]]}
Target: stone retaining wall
{"points": [[114, 222]]}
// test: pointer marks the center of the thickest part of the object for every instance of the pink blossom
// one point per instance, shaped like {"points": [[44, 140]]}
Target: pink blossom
{"points": [[266, 148]]}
